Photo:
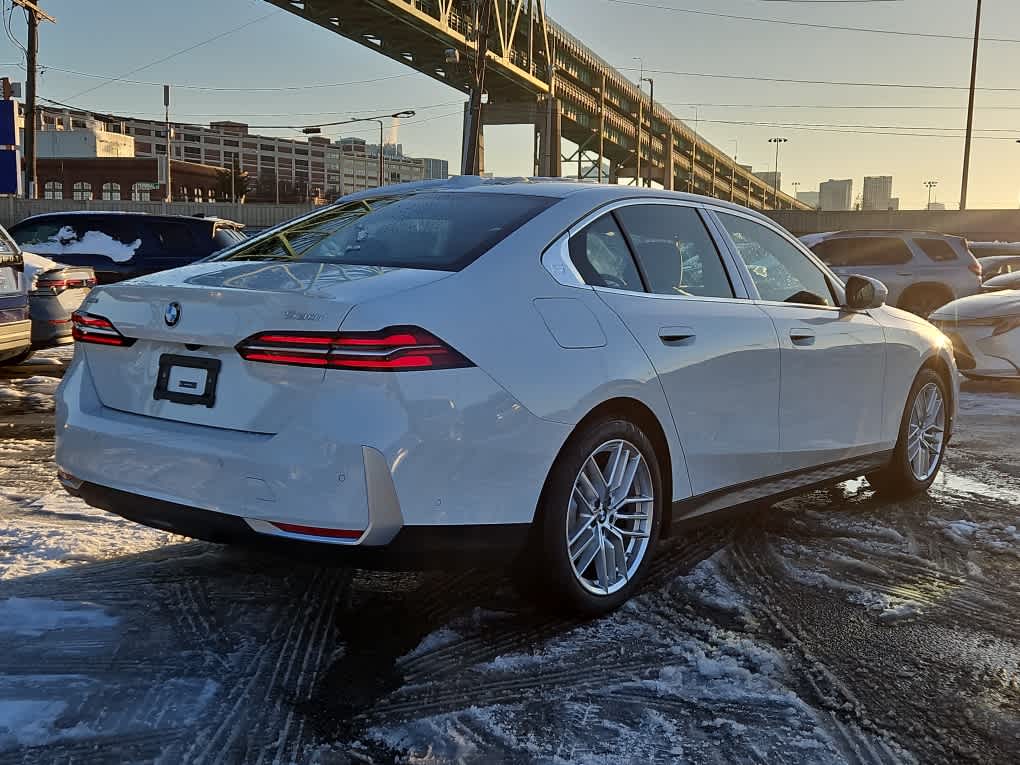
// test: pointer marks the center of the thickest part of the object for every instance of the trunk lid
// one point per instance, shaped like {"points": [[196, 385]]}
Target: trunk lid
{"points": [[217, 305]]}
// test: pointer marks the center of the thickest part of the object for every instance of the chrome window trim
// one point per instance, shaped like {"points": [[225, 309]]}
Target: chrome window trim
{"points": [[556, 257]]}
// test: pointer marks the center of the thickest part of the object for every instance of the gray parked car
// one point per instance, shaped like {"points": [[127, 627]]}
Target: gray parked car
{"points": [[923, 270]]}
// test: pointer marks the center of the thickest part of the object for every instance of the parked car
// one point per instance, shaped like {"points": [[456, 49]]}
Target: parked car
{"points": [[996, 265], [1010, 281], [467, 371], [15, 325], [984, 250], [984, 332], [54, 293], [922, 270], [121, 245]]}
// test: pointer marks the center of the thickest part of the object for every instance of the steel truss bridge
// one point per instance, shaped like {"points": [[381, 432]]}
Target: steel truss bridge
{"points": [[539, 74]]}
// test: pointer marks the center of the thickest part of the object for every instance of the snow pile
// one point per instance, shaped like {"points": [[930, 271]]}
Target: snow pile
{"points": [[35, 264], [993, 536], [66, 242]]}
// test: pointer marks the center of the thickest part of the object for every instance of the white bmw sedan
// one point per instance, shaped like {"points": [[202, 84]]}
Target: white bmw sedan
{"points": [[452, 372]]}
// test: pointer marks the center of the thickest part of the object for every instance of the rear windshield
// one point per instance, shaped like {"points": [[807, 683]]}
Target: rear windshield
{"points": [[82, 240], [432, 230]]}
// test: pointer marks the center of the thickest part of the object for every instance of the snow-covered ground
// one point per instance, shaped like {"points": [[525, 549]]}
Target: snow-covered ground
{"points": [[833, 628]]}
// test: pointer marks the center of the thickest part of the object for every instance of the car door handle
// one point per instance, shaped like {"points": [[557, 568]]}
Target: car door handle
{"points": [[904, 273], [802, 336], [676, 335]]}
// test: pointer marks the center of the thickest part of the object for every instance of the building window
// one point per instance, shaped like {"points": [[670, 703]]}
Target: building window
{"points": [[212, 156], [141, 147], [317, 153], [111, 191], [301, 162], [77, 123], [302, 152], [53, 190], [283, 149], [229, 143], [192, 138], [161, 148], [250, 145], [142, 131], [142, 191], [267, 147], [192, 151], [82, 190], [266, 159], [212, 141]]}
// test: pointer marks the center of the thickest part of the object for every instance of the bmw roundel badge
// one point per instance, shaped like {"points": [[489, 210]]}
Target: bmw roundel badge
{"points": [[172, 314]]}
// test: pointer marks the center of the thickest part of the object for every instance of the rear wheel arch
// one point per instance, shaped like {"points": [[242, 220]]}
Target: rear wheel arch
{"points": [[635, 411]]}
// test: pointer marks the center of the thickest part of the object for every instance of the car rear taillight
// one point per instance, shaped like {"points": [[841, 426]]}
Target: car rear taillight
{"points": [[89, 328], [394, 349], [59, 285]]}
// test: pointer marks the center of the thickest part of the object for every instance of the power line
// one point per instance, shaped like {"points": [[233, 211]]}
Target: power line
{"points": [[895, 107], [190, 48], [807, 24], [892, 131], [838, 83], [219, 89]]}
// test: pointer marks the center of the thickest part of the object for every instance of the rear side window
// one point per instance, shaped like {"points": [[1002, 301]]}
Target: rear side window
{"points": [[84, 240], [938, 250], [443, 231], [675, 251], [601, 256], [175, 240], [863, 251]]}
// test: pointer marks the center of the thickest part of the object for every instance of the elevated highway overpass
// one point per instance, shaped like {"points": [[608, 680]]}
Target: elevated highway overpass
{"points": [[540, 74]]}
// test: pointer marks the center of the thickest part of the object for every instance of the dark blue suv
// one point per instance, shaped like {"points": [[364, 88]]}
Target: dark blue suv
{"points": [[121, 245]]}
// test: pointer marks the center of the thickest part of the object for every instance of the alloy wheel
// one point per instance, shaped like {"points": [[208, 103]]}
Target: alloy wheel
{"points": [[926, 431], [609, 519]]}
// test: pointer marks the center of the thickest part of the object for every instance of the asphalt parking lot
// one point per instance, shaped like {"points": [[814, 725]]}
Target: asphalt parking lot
{"points": [[830, 628]]}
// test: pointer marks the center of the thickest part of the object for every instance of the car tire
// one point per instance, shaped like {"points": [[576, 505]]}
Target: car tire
{"points": [[18, 358], [922, 302], [902, 476], [591, 544]]}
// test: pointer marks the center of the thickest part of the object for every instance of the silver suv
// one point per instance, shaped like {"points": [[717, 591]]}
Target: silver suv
{"points": [[923, 270]]}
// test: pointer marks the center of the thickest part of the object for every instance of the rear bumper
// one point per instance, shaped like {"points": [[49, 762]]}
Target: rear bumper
{"points": [[15, 335], [412, 548]]}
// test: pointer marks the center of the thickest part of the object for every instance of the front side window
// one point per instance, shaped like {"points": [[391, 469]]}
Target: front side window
{"points": [[847, 252], [600, 254], [675, 251], [781, 272], [444, 231]]}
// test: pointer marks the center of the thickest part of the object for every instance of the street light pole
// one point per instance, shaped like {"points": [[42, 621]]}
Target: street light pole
{"points": [[931, 188], [775, 185], [380, 151], [651, 114], [970, 109]]}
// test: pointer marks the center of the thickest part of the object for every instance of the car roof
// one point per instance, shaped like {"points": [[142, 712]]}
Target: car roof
{"points": [[890, 232], [133, 214], [548, 187]]}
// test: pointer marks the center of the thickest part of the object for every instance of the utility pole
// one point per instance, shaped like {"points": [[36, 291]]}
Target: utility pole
{"points": [[473, 139], [35, 13], [970, 109]]}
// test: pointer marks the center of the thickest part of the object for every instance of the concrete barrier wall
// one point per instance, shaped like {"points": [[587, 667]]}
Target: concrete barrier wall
{"points": [[976, 225], [13, 209]]}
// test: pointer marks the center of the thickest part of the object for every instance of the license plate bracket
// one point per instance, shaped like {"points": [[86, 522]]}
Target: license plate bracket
{"points": [[187, 380]]}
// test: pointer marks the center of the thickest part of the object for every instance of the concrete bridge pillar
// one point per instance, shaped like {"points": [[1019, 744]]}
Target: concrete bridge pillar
{"points": [[547, 127]]}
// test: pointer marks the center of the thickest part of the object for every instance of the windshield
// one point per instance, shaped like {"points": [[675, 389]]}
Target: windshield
{"points": [[439, 231]]}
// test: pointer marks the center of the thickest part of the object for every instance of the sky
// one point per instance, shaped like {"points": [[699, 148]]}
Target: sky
{"points": [[278, 49]]}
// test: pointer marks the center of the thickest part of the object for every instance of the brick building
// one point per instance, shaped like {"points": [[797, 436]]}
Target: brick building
{"points": [[129, 178]]}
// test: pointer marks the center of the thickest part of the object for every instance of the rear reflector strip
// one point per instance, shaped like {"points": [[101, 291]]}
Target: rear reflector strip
{"points": [[315, 531], [393, 349]]}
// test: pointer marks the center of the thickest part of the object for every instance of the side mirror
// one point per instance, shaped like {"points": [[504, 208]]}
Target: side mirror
{"points": [[863, 292]]}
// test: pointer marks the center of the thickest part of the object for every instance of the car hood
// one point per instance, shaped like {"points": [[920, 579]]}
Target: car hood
{"points": [[990, 305]]}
